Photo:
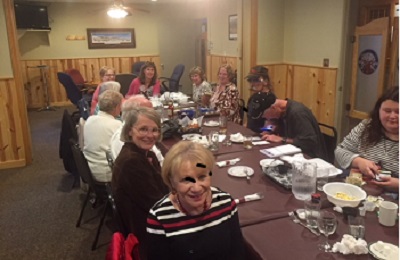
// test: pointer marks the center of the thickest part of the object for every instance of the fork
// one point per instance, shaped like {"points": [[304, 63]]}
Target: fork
{"points": [[297, 221], [247, 173]]}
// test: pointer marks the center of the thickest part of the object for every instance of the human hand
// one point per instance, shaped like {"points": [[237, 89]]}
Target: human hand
{"points": [[272, 138], [387, 182], [366, 167]]}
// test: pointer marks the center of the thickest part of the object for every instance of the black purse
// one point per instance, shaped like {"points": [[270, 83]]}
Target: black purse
{"points": [[169, 128]]}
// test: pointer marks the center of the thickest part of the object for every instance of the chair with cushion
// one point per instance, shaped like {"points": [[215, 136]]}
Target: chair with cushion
{"points": [[76, 77], [73, 92], [137, 66], [125, 80], [98, 188], [330, 138], [172, 84]]}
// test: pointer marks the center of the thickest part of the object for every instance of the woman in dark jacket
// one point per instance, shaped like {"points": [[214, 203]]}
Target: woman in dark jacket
{"points": [[136, 180]]}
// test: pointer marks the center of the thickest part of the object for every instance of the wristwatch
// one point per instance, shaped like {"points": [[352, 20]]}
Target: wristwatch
{"points": [[284, 139]]}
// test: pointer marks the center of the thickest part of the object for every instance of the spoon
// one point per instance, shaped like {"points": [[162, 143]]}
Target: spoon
{"points": [[247, 173]]}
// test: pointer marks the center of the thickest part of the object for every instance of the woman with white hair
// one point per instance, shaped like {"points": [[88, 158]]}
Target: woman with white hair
{"points": [[97, 134]]}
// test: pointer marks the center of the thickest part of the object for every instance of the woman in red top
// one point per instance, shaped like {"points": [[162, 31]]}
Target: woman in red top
{"points": [[147, 83], [106, 74]]}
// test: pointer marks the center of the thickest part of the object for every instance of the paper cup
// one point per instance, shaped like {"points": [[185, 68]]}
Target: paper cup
{"points": [[388, 213]]}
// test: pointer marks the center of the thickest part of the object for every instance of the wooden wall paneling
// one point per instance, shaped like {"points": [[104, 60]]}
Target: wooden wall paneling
{"points": [[316, 88], [278, 77], [289, 81], [12, 152]]}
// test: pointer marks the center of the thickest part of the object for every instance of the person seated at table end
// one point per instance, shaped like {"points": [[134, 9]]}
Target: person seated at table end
{"points": [[225, 98], [195, 220], [146, 83], [374, 143], [300, 127], [202, 90]]}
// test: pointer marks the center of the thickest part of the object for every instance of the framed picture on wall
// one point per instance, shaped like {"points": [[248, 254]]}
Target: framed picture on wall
{"points": [[111, 38], [232, 22]]}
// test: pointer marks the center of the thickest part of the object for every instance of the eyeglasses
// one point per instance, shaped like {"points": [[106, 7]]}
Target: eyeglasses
{"points": [[145, 130]]}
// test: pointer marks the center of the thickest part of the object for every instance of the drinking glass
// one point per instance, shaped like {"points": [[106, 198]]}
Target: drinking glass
{"points": [[322, 177], [223, 124], [247, 142], [357, 227], [304, 177], [213, 139], [327, 224], [311, 209]]}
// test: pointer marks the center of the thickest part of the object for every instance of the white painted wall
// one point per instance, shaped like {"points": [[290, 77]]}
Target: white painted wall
{"points": [[313, 31], [219, 12], [67, 19], [271, 27]]}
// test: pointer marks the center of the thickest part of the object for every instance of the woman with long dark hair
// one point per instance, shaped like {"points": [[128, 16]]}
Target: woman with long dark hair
{"points": [[373, 144], [146, 83]]}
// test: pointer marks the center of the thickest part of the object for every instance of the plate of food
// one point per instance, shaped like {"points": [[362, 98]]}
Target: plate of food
{"points": [[239, 171], [383, 251], [211, 123]]}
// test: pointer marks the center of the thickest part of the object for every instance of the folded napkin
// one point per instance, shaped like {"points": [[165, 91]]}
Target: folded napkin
{"points": [[228, 162], [238, 137], [251, 197], [260, 142]]}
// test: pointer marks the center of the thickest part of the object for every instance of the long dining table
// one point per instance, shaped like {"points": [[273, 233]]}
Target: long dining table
{"points": [[268, 230]]}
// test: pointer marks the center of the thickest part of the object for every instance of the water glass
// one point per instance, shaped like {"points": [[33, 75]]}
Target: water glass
{"points": [[223, 124], [213, 139], [327, 224], [311, 209], [304, 177], [322, 177], [357, 226], [248, 142]]}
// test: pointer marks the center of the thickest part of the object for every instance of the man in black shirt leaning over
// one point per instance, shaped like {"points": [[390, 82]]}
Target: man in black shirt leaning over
{"points": [[300, 127]]}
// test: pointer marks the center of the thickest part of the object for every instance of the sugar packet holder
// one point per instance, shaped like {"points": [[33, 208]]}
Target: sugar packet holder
{"points": [[228, 162]]}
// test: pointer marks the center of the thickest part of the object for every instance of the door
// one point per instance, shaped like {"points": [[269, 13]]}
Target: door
{"points": [[368, 66]]}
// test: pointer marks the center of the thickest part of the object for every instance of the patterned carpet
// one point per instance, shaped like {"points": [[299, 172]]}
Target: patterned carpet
{"points": [[39, 207]]}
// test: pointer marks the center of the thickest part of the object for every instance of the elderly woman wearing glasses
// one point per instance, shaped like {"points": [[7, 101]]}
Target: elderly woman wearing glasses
{"points": [[136, 180], [195, 220], [146, 83]]}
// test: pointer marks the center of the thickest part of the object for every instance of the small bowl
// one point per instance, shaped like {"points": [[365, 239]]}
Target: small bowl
{"points": [[354, 191]]}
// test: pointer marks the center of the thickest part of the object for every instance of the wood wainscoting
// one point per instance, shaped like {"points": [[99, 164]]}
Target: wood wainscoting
{"points": [[89, 68], [313, 86], [12, 148]]}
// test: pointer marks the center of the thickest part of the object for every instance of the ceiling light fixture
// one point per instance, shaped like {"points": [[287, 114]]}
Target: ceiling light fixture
{"points": [[117, 12]]}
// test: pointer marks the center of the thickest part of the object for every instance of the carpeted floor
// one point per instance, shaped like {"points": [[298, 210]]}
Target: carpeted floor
{"points": [[39, 207]]}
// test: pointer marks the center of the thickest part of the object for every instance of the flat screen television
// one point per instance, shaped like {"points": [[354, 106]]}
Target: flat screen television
{"points": [[31, 17]]}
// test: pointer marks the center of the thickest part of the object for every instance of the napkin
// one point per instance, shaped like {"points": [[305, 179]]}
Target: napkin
{"points": [[350, 245], [260, 142], [228, 162], [238, 137]]}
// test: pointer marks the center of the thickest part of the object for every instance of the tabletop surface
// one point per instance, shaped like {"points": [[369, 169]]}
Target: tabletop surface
{"points": [[267, 228]]}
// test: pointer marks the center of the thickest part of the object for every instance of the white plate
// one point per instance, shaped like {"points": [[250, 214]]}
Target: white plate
{"points": [[324, 164], [377, 252], [238, 171], [191, 137], [211, 123], [267, 162]]}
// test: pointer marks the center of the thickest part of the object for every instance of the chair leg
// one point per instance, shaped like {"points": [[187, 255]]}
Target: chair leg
{"points": [[100, 225], [78, 223]]}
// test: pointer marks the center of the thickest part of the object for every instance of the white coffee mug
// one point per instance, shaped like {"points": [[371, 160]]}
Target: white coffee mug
{"points": [[388, 213]]}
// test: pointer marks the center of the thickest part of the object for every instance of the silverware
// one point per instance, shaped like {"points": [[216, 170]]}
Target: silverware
{"points": [[298, 221], [247, 173]]}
